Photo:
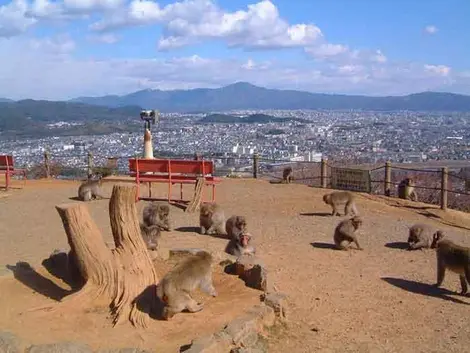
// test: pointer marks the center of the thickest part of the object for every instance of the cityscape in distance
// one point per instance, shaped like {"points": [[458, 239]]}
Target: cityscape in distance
{"points": [[238, 120]]}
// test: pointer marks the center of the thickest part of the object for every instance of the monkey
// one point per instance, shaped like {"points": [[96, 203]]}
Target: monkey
{"points": [[157, 214], [406, 190], [344, 233], [211, 219], [451, 256], [287, 175], [151, 236], [339, 197], [420, 236], [90, 189], [240, 245], [235, 226], [177, 285]]}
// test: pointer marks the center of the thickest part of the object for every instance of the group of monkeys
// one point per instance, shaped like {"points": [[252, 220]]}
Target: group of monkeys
{"points": [[450, 255], [175, 288]]}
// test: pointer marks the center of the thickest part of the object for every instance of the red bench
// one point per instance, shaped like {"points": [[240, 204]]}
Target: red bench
{"points": [[172, 171], [7, 167]]}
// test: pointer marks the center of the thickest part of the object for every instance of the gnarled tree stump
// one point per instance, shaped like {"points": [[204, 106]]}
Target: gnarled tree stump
{"points": [[125, 277]]}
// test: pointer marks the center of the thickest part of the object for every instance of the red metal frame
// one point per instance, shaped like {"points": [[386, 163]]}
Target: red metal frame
{"points": [[7, 167], [172, 171]]}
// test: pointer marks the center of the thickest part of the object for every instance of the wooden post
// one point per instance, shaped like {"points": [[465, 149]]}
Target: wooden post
{"points": [[89, 164], [323, 173], [255, 164], [388, 179], [444, 178], [47, 164]]}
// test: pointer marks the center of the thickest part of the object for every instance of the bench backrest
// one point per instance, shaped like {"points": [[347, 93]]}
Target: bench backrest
{"points": [[6, 162], [171, 166]]}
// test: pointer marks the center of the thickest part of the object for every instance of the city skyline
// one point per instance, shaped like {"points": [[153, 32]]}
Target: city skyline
{"points": [[66, 49]]}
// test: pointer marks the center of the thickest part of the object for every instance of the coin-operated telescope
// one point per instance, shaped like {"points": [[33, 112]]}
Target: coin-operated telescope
{"points": [[149, 116]]}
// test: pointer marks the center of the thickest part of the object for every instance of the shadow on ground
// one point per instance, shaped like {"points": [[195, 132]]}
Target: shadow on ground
{"points": [[320, 245], [397, 245], [188, 229], [317, 214], [423, 289]]}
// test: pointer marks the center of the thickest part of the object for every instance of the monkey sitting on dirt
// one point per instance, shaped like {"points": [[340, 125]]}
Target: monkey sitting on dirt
{"points": [[211, 219], [151, 236], [177, 285], [287, 175], [240, 245], [453, 257], [337, 198], [235, 226], [157, 214], [344, 233], [406, 190], [420, 236], [90, 189]]}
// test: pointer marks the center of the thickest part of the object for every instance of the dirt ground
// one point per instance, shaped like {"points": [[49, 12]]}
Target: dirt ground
{"points": [[376, 300]]}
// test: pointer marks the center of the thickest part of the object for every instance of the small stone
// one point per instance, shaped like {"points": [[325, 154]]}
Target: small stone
{"points": [[277, 301], [62, 347], [257, 277]]}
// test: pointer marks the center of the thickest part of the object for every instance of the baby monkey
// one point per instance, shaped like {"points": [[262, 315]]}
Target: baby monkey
{"points": [[240, 245]]}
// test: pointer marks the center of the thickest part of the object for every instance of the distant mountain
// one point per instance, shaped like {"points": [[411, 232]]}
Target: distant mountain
{"points": [[30, 117], [244, 95], [5, 100], [250, 119]]}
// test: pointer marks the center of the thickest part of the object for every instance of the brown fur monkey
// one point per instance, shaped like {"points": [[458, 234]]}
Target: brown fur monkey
{"points": [[157, 214], [337, 198], [211, 219], [453, 257], [406, 190], [240, 245], [151, 236], [345, 233], [420, 236], [90, 190], [235, 226], [287, 175], [177, 285]]}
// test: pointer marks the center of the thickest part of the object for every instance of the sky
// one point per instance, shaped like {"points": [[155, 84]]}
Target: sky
{"points": [[58, 50]]}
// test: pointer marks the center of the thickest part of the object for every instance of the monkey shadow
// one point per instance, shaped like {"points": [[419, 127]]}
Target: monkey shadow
{"points": [[401, 245], [275, 182], [423, 289], [148, 302], [317, 214], [24, 273], [76, 198], [189, 229], [320, 245]]}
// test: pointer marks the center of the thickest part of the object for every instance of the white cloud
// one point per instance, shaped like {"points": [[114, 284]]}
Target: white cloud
{"points": [[13, 20], [323, 51], [430, 29], [107, 38], [440, 70]]}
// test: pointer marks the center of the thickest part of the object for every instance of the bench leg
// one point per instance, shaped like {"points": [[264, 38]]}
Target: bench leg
{"points": [[137, 194], [213, 193], [150, 189], [169, 191], [7, 180]]}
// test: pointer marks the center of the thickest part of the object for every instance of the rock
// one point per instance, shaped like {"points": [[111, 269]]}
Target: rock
{"points": [[9, 343], [217, 343], [277, 301], [245, 263], [257, 277], [61, 347]]}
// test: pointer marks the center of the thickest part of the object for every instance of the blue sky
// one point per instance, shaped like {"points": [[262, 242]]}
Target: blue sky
{"points": [[63, 49]]}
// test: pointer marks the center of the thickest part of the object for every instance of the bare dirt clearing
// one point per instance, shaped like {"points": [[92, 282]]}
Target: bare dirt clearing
{"points": [[377, 300]]}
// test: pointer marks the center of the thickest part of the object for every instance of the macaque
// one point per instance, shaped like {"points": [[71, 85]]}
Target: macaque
{"points": [[157, 214], [344, 233], [235, 226], [337, 198], [420, 236], [211, 219], [453, 257], [151, 236], [406, 190], [178, 284], [287, 175], [90, 190], [240, 245]]}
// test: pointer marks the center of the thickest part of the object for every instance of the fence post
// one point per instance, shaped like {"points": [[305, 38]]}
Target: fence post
{"points": [[255, 164], [323, 173], [444, 178], [47, 164], [388, 178], [89, 164]]}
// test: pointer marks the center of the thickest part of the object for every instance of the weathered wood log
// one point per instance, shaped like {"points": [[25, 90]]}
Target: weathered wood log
{"points": [[124, 277]]}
